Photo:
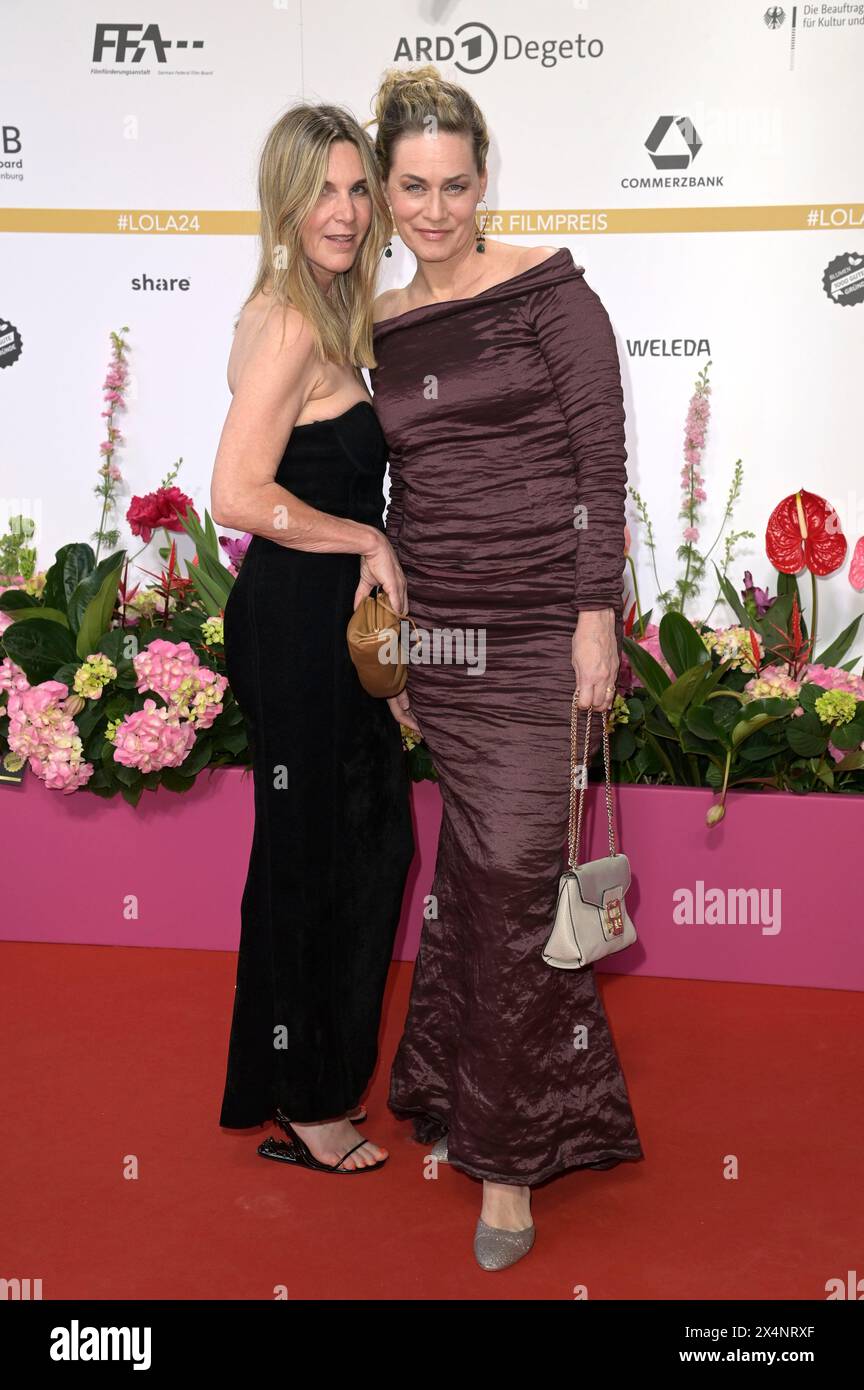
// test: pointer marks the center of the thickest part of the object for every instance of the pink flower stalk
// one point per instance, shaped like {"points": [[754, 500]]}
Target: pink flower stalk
{"points": [[113, 392]]}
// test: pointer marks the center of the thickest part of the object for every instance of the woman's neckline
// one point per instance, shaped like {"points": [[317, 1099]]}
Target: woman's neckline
{"points": [[466, 298], [328, 419]]}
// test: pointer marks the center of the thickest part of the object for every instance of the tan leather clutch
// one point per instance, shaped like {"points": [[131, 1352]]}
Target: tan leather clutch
{"points": [[374, 633]]}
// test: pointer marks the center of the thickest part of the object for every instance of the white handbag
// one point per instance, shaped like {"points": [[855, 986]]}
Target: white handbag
{"points": [[591, 918]]}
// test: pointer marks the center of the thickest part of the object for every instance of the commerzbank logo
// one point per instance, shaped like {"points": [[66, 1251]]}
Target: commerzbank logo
{"points": [[673, 143], [474, 47]]}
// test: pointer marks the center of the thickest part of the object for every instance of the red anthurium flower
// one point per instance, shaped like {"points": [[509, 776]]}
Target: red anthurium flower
{"points": [[804, 530], [856, 569]]}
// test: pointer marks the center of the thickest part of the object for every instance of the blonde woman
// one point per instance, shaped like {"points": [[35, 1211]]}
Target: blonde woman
{"points": [[498, 387], [301, 464]]}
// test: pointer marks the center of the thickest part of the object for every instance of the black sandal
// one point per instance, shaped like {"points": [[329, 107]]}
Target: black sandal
{"points": [[295, 1151]]}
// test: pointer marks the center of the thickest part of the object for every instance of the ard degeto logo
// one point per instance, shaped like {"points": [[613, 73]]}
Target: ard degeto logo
{"points": [[129, 43], [474, 47], [682, 144]]}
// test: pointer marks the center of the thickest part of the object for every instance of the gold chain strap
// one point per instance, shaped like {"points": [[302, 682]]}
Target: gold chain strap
{"points": [[576, 816]]}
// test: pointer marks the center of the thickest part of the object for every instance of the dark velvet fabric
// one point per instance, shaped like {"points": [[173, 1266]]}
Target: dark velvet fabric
{"points": [[332, 840], [502, 412]]}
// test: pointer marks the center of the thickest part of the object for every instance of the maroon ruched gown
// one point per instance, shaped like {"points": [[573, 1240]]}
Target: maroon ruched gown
{"points": [[502, 412]]}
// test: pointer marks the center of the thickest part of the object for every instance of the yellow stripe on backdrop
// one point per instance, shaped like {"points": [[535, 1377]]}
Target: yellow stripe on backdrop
{"points": [[791, 217]]}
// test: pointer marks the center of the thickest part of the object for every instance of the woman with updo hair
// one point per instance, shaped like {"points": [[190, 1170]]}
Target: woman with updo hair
{"points": [[497, 384]]}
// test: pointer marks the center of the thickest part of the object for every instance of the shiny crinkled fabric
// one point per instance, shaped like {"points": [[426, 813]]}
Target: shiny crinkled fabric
{"points": [[504, 418]]}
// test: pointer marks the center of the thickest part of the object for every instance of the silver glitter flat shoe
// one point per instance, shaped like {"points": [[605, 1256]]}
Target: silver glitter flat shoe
{"points": [[439, 1150], [495, 1248]]}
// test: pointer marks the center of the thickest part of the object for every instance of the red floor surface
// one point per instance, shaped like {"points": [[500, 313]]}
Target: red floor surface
{"points": [[112, 1052]]}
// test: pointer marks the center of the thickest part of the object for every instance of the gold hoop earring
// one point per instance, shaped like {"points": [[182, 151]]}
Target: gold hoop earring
{"points": [[481, 231]]}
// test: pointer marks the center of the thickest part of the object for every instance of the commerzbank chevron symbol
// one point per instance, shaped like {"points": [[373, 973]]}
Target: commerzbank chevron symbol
{"points": [[684, 135]]}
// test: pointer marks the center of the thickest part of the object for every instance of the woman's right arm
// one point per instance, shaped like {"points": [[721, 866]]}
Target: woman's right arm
{"points": [[278, 377]]}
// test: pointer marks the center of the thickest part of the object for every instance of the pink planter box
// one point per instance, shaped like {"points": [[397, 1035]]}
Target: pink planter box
{"points": [[764, 897]]}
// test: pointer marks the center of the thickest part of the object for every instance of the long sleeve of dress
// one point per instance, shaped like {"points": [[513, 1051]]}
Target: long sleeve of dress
{"points": [[578, 345]]}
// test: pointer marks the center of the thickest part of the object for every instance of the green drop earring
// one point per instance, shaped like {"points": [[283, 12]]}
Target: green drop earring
{"points": [[481, 231]]}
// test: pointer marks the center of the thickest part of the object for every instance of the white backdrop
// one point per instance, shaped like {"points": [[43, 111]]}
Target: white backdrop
{"points": [[160, 123]]}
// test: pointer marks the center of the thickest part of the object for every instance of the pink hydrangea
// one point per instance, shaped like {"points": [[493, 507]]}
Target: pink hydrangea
{"points": [[773, 683], [833, 678], [42, 730], [163, 666], [11, 676], [152, 738], [173, 671]]}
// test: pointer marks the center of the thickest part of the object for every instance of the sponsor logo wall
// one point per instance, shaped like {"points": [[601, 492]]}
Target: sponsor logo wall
{"points": [[701, 161]]}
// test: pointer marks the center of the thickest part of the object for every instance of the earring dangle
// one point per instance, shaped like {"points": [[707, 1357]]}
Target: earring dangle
{"points": [[388, 249], [481, 231]]}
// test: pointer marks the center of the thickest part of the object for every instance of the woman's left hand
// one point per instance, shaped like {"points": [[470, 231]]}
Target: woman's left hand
{"points": [[595, 658]]}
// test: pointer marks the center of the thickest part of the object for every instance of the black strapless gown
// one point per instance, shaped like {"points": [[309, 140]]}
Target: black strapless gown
{"points": [[333, 841]]}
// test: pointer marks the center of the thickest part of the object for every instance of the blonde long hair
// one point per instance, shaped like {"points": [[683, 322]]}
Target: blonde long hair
{"points": [[291, 174]]}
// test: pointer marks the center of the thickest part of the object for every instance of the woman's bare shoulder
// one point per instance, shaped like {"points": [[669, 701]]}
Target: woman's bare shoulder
{"points": [[388, 304], [266, 326]]}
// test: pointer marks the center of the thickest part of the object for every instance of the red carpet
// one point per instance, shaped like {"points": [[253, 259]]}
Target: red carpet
{"points": [[116, 1056]]}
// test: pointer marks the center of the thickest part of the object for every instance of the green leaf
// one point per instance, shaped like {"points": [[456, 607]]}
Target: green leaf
{"points": [[677, 696], [840, 646], [174, 782], [680, 643], [805, 736], [753, 751], [849, 735], [710, 681], [751, 725], [700, 720], [14, 599], [78, 561], [97, 615], [53, 615], [39, 648], [808, 694], [649, 671], [730, 593], [197, 757], [89, 587], [623, 744]]}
